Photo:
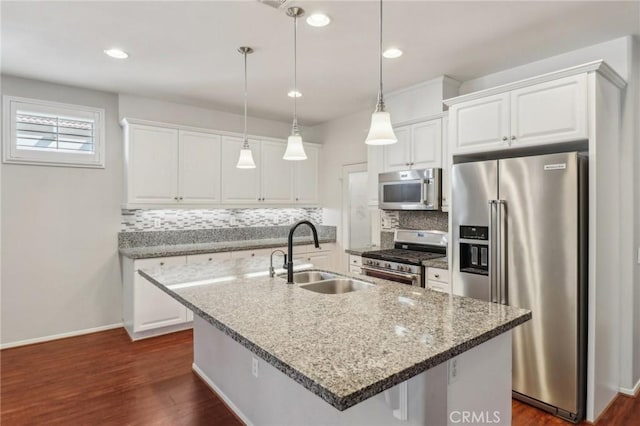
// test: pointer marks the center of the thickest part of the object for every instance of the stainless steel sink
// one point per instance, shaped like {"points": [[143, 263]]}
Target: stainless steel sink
{"points": [[305, 277], [336, 286]]}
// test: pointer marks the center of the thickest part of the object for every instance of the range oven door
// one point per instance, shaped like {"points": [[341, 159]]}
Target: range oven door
{"points": [[410, 190], [399, 277]]}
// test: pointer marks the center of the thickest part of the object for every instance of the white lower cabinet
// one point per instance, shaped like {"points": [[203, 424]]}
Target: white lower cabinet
{"points": [[148, 311], [438, 280]]}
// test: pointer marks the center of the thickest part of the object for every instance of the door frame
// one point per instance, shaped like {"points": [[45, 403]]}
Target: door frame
{"points": [[346, 202]]}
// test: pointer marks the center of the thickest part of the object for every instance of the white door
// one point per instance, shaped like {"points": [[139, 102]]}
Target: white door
{"points": [[277, 174], [306, 177], [199, 168], [396, 156], [480, 125], [239, 186], [152, 165], [555, 111], [426, 144], [153, 308]]}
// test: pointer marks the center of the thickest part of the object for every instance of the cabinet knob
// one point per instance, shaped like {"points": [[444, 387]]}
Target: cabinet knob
{"points": [[210, 259], [161, 263], [297, 199], [175, 198], [253, 254], [437, 275], [504, 138], [513, 138]]}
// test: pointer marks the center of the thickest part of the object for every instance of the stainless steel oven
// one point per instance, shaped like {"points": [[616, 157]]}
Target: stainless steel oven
{"points": [[410, 190], [393, 271]]}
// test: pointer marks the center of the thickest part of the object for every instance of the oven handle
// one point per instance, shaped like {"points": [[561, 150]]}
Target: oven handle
{"points": [[414, 278]]}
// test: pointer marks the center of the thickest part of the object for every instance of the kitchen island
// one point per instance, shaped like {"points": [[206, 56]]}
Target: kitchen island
{"points": [[373, 356]]}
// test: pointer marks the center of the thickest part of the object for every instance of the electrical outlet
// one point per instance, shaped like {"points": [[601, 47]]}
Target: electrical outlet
{"points": [[453, 370], [276, 219], [254, 366], [233, 221], [157, 223]]}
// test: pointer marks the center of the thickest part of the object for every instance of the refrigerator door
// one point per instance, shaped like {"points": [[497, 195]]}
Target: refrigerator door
{"points": [[473, 186], [541, 269]]}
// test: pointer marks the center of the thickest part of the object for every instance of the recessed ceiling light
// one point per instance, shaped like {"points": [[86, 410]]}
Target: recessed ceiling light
{"points": [[318, 20], [116, 53], [294, 94], [392, 53]]}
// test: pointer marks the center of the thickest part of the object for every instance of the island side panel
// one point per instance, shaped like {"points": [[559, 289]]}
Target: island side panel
{"points": [[275, 399], [481, 393]]}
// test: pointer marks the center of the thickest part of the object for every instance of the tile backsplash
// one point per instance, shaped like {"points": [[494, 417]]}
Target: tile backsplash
{"points": [[421, 220], [194, 219]]}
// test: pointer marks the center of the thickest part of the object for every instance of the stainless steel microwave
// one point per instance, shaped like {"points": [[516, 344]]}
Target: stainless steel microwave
{"points": [[410, 190]]}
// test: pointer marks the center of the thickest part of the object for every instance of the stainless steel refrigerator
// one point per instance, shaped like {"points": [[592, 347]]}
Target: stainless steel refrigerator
{"points": [[520, 238]]}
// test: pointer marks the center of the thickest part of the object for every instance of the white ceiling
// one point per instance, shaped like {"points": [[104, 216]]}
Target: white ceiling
{"points": [[186, 51]]}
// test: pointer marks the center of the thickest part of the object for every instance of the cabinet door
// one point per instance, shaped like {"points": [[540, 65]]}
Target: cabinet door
{"points": [[375, 166], [239, 186], [439, 286], [152, 165], [426, 145], [480, 125], [306, 177], [277, 174], [199, 168], [397, 156], [320, 260], [153, 308], [447, 163], [555, 111]]}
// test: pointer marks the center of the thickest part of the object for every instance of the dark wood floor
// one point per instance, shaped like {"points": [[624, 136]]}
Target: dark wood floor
{"points": [[104, 378]]}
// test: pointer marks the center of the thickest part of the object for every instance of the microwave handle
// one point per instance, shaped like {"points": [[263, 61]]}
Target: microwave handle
{"points": [[428, 192]]}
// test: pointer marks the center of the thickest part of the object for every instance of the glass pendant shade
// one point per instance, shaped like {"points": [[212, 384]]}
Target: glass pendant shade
{"points": [[381, 131], [245, 161], [295, 149]]}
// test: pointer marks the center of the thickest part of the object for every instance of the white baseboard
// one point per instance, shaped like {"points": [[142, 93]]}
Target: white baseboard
{"points": [[60, 336], [221, 394], [631, 392]]}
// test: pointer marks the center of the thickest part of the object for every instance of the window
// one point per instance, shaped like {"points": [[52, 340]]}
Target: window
{"points": [[51, 133]]}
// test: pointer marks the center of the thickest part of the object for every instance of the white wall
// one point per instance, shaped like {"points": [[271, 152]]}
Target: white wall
{"points": [[131, 106], [60, 268]]}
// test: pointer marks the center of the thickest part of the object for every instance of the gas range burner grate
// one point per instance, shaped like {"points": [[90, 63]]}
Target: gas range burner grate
{"points": [[411, 257]]}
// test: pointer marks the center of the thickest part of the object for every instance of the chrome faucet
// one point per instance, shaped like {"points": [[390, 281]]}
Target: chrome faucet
{"points": [[272, 271], [290, 246]]}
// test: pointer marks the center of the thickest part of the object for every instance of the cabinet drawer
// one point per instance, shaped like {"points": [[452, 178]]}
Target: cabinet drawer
{"points": [[355, 260], [159, 261], [207, 257], [355, 269], [437, 274], [438, 286], [243, 254]]}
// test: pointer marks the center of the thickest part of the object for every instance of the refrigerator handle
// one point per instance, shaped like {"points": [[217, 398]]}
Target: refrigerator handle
{"points": [[502, 251], [493, 264]]}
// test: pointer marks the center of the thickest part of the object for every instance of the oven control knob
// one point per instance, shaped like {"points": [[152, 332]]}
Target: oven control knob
{"points": [[387, 265], [400, 268]]}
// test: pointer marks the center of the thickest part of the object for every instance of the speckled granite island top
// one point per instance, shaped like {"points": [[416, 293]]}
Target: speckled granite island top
{"points": [[344, 348]]}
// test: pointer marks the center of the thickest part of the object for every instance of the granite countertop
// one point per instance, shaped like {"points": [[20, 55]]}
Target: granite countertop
{"points": [[438, 262], [213, 247], [344, 348], [359, 250]]}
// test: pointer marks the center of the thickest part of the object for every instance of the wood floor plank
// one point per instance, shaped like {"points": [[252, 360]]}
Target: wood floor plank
{"points": [[105, 379]]}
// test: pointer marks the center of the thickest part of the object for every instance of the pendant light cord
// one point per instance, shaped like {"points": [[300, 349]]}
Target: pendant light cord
{"points": [[245, 145], [380, 104], [295, 130]]}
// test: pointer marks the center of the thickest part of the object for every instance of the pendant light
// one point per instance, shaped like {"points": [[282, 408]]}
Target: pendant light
{"points": [[295, 148], [381, 131], [245, 161]]}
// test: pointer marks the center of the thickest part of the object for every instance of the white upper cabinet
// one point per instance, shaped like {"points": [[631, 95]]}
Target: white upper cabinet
{"points": [[481, 124], [171, 165], [199, 168], [550, 112], [419, 146], [306, 181], [426, 144], [151, 161], [240, 186], [397, 155], [277, 174]]}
